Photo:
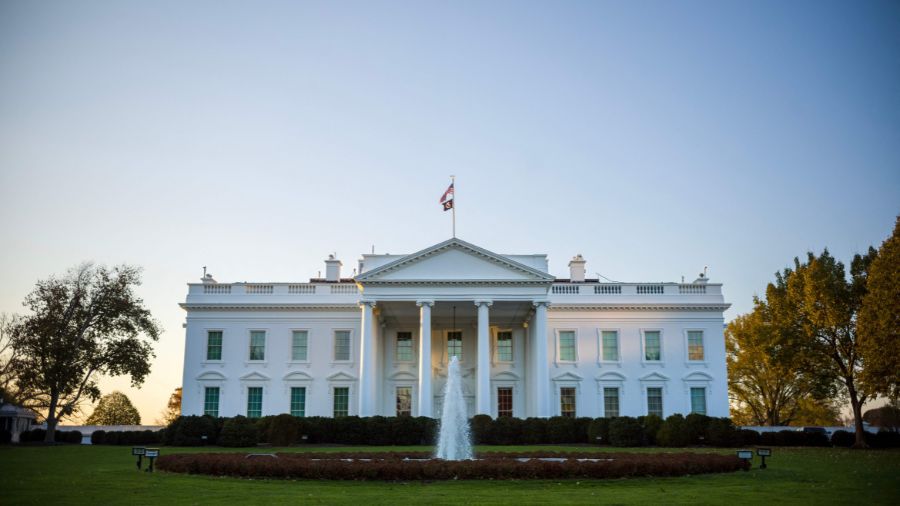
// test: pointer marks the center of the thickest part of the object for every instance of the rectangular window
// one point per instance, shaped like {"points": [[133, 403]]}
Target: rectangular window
{"points": [[211, 401], [610, 345], [342, 345], [504, 346], [300, 345], [258, 345], [567, 345], [698, 401], [567, 402], [254, 402], [695, 345], [298, 401], [652, 347], [214, 345], [404, 347], [454, 345], [654, 401], [341, 401], [404, 401], [504, 402], [610, 402]]}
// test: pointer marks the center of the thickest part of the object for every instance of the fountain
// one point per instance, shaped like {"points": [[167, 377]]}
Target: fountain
{"points": [[453, 439]]}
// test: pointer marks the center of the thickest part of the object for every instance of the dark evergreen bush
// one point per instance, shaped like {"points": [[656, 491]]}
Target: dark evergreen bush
{"points": [[722, 433], [651, 425], [507, 430], [238, 431], [98, 437], [561, 429], [5, 436], [626, 431], [281, 430], [534, 431], [189, 431], [842, 438], [480, 427], [598, 431], [695, 426], [673, 432], [747, 437], [883, 439]]}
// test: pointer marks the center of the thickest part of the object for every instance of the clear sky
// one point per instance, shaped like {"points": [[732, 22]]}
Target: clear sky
{"points": [[257, 137]]}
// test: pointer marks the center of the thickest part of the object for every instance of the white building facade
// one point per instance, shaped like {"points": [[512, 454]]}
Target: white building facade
{"points": [[379, 343]]}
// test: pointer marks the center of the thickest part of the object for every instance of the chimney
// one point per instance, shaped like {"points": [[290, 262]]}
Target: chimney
{"points": [[576, 269], [333, 269]]}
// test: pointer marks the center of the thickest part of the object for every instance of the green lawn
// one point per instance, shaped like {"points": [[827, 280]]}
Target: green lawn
{"points": [[107, 475]]}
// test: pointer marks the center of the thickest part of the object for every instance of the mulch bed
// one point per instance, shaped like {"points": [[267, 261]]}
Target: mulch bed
{"points": [[393, 466]]}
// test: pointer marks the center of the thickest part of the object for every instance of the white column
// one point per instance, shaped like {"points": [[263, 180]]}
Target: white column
{"points": [[367, 376], [483, 392], [541, 365], [426, 396]]}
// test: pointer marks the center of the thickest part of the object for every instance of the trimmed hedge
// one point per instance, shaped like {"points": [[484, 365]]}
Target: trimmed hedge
{"points": [[239, 431], [5, 436], [489, 466], [60, 436], [126, 437], [626, 431], [793, 438]]}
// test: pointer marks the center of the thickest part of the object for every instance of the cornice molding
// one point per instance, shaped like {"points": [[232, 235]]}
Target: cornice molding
{"points": [[268, 307], [640, 307]]}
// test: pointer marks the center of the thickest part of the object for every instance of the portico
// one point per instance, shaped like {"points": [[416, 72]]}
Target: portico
{"points": [[465, 300]]}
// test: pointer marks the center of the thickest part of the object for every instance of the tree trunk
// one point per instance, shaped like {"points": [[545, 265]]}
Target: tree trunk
{"points": [[857, 417], [51, 420]]}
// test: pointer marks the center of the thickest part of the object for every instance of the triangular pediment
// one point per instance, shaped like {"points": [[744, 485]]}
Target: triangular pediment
{"points": [[654, 376], [211, 376], [698, 376], [341, 376], [297, 376], [611, 376], [568, 376], [255, 376], [454, 261]]}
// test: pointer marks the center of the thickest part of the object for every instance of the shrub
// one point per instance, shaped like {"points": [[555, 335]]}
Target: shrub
{"points": [[238, 431], [721, 432], [5, 436], [673, 432], [626, 431], [68, 436], [33, 436], [695, 427], [281, 430], [793, 438], [843, 439], [883, 439], [651, 425], [748, 437], [189, 431], [480, 426], [534, 431], [507, 430], [561, 429], [98, 437], [598, 431], [391, 466]]}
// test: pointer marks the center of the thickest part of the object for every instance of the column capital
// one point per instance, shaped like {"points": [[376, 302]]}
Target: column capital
{"points": [[423, 302], [486, 302], [539, 303], [370, 303]]}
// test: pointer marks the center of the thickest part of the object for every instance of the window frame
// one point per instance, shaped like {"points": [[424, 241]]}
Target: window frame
{"points": [[687, 346], [397, 399], [705, 391], [512, 346], [291, 346], [462, 347], [559, 390], [350, 355], [265, 346], [618, 400], [662, 401], [662, 347], [558, 332], [221, 359], [291, 399], [262, 393], [512, 400], [601, 357], [334, 389], [206, 389], [412, 346]]}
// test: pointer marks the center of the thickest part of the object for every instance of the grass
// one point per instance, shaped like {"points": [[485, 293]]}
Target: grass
{"points": [[107, 475]]}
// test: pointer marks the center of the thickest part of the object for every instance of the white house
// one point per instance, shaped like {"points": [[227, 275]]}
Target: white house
{"points": [[379, 343]]}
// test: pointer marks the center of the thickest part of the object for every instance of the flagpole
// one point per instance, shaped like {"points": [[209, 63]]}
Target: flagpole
{"points": [[453, 210]]}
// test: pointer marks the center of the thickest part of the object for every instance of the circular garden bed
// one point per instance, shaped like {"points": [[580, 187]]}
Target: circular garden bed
{"points": [[409, 466]]}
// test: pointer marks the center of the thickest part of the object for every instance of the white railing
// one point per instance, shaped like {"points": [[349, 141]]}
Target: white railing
{"points": [[216, 289], [259, 289], [303, 289], [607, 289], [691, 289], [344, 289], [650, 289], [565, 289]]}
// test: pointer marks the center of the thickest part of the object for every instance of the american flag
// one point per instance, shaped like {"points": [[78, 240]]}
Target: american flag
{"points": [[447, 198]]}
